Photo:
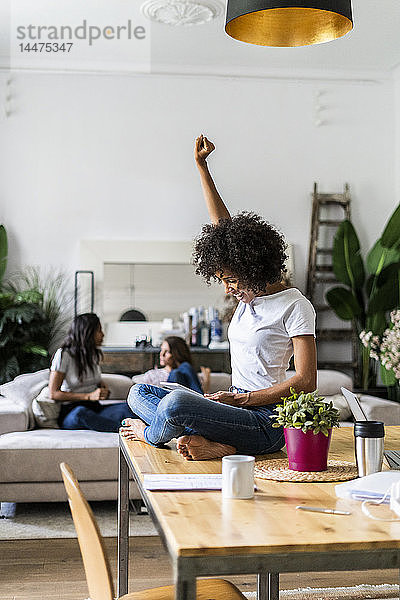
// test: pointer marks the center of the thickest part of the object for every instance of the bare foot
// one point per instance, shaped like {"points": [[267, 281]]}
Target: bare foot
{"points": [[133, 429], [197, 447], [128, 422]]}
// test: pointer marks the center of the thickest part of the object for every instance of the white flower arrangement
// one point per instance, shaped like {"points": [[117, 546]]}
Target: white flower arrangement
{"points": [[386, 349]]}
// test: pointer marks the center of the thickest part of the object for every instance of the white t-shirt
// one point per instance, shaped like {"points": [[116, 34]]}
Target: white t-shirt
{"points": [[64, 363], [260, 337]]}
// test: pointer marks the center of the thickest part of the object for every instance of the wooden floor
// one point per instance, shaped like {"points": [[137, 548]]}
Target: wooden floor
{"points": [[52, 570]]}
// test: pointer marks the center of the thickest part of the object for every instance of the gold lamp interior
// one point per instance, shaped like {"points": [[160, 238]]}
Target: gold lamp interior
{"points": [[288, 27]]}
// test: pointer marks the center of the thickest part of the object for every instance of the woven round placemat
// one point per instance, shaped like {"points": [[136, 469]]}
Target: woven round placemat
{"points": [[278, 469]]}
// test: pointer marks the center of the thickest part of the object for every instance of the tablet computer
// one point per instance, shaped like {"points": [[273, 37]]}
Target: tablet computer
{"points": [[171, 386]]}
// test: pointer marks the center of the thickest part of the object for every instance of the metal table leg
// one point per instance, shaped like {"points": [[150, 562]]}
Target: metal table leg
{"points": [[185, 589], [123, 526], [185, 583], [273, 586], [268, 586], [263, 586]]}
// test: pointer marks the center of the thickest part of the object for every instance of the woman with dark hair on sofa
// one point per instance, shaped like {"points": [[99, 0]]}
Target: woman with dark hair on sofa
{"points": [[75, 380], [176, 366], [271, 324]]}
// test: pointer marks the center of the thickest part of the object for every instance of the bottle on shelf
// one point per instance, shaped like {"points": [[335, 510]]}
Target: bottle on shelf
{"points": [[203, 329], [215, 325], [187, 327], [195, 320]]}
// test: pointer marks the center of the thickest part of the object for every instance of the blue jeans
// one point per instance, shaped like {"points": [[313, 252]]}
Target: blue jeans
{"points": [[172, 414], [106, 417]]}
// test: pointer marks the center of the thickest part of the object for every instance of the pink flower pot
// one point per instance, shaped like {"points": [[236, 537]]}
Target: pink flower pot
{"points": [[306, 451]]}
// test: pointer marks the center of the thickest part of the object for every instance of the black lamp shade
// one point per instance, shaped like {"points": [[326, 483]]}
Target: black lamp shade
{"points": [[284, 23]]}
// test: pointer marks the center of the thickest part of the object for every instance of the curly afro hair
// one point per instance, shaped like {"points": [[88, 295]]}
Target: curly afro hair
{"points": [[247, 246]]}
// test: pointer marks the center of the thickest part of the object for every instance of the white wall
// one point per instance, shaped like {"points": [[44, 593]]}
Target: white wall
{"points": [[110, 157], [397, 129]]}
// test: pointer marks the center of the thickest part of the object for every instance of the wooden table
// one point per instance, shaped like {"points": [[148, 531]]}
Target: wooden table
{"points": [[206, 535]]}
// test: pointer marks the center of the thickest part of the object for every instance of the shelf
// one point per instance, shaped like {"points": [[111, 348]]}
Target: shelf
{"points": [[331, 222], [323, 268], [325, 280], [333, 334], [332, 200], [326, 364]]}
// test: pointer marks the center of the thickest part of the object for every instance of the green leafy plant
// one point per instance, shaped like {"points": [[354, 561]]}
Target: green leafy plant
{"points": [[35, 310], [24, 333], [306, 412], [53, 295], [368, 292]]}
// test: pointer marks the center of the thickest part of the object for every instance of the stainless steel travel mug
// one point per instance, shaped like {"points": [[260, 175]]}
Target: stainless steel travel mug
{"points": [[369, 436]]}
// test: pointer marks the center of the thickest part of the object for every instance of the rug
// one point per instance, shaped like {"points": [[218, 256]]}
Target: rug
{"points": [[53, 520], [358, 592]]}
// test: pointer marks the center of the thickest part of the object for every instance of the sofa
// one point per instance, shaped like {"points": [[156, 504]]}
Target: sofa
{"points": [[30, 456]]}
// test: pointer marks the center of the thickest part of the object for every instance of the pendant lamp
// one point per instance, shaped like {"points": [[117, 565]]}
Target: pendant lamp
{"points": [[284, 23]]}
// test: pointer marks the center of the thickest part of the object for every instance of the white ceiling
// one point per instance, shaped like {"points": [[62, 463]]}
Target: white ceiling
{"points": [[372, 47], [374, 44]]}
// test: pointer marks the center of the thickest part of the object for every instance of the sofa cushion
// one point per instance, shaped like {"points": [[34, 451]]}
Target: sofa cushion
{"points": [[45, 410], [329, 382], [379, 409], [36, 455], [340, 403], [23, 389], [12, 416], [218, 382]]}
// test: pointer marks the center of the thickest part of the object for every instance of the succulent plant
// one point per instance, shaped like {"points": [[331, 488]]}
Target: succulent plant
{"points": [[306, 411]]}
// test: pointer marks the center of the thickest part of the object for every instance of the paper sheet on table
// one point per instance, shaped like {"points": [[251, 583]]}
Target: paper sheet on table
{"points": [[183, 482], [370, 487]]}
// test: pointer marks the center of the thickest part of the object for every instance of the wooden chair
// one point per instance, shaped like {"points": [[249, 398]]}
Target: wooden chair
{"points": [[97, 566]]}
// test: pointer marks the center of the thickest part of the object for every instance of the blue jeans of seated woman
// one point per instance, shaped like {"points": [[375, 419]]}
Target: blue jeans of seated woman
{"points": [[172, 414], [106, 417]]}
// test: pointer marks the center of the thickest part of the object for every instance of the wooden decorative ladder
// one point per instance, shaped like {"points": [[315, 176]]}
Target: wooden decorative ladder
{"points": [[320, 274]]}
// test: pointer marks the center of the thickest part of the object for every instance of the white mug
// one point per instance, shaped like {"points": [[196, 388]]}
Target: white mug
{"points": [[238, 476]]}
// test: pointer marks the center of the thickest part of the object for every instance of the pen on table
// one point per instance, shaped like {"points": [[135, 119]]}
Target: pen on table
{"points": [[327, 511]]}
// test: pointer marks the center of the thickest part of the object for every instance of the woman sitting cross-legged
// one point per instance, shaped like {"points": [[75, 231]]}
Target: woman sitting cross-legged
{"points": [[75, 380], [271, 324]]}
